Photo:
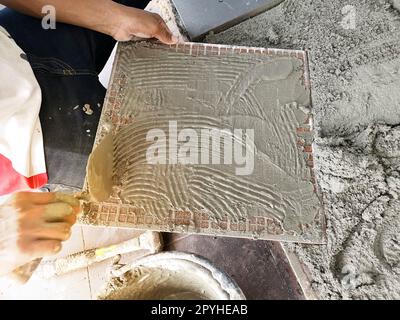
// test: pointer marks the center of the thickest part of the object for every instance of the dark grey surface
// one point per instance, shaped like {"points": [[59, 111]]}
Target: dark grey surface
{"points": [[199, 17], [260, 268]]}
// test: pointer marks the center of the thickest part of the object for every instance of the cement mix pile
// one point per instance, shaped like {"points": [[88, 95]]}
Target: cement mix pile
{"points": [[354, 51], [158, 284]]}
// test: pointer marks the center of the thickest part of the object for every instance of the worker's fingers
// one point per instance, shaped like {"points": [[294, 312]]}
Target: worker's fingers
{"points": [[46, 197], [53, 212], [71, 200], [164, 34], [40, 248], [51, 231], [71, 219], [57, 212], [34, 197]]}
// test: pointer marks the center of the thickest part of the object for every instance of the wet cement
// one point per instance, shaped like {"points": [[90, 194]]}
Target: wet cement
{"points": [[355, 74], [263, 93], [144, 283], [170, 276]]}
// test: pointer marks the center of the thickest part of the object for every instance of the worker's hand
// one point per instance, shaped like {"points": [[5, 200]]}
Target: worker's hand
{"points": [[131, 22], [33, 225]]}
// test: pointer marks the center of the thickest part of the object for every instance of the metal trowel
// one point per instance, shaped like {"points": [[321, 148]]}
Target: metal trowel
{"points": [[99, 170]]}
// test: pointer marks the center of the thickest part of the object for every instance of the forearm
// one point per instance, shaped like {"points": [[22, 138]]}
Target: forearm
{"points": [[91, 14]]}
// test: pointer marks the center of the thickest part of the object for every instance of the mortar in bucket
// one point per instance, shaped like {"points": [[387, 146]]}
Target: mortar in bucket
{"points": [[171, 276]]}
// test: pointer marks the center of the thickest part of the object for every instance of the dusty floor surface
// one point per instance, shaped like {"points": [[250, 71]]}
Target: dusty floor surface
{"points": [[355, 71]]}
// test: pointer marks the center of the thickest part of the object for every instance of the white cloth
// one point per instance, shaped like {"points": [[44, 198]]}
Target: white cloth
{"points": [[21, 140]]}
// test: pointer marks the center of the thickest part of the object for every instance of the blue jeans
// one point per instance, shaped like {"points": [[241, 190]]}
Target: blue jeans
{"points": [[66, 62]]}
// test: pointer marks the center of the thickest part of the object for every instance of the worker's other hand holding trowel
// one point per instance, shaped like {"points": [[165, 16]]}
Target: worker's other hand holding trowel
{"points": [[33, 225]]}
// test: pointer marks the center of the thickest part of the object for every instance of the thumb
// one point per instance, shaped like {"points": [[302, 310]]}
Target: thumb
{"points": [[165, 35]]}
